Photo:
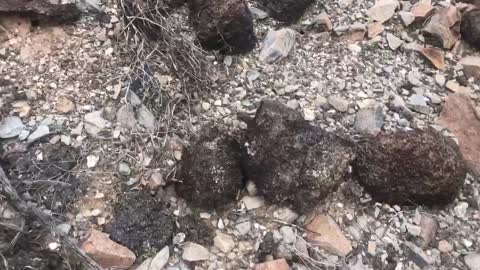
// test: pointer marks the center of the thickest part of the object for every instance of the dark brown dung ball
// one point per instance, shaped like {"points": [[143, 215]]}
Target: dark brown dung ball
{"points": [[225, 25], [292, 162], [470, 28], [414, 167], [287, 11], [211, 174]]}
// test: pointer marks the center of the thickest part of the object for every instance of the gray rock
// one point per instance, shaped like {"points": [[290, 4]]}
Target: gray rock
{"points": [[414, 78], [223, 242], [288, 235], [440, 79], [383, 10], [407, 17], [338, 103], [301, 246], [23, 135], [145, 118], [258, 13], [193, 252], [369, 120], [285, 214], [418, 104], [10, 127], [158, 262], [277, 45], [126, 116], [417, 256], [393, 41], [461, 209], [64, 228], [40, 132], [253, 202], [95, 123], [124, 169], [243, 226], [473, 261]]}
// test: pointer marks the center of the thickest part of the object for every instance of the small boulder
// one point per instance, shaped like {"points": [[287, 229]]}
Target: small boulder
{"points": [[471, 66], [287, 11], [369, 120], [224, 242], [193, 252], [421, 167], [383, 10], [302, 165], [322, 231], [225, 25], [438, 30], [106, 252], [470, 27], [211, 173]]}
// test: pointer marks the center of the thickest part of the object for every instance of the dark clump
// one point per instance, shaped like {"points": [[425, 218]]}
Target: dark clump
{"points": [[195, 230], [266, 247], [470, 27], [225, 25], [41, 10], [291, 161], [141, 224], [417, 167], [49, 180], [211, 174], [287, 11]]}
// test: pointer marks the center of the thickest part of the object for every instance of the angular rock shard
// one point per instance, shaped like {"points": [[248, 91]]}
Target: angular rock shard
{"points": [[471, 66], [287, 11], [106, 252], [211, 173], [439, 29], [302, 165], [460, 117], [416, 167], [434, 56], [224, 25], [322, 231], [41, 10], [383, 10]]}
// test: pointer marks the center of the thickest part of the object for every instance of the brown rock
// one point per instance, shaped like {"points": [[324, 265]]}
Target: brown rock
{"points": [[16, 25], [471, 66], [438, 31], [374, 29], [422, 9], [435, 56], [455, 87], [444, 246], [459, 116], [383, 10], [65, 105], [272, 265], [106, 252], [429, 227], [322, 22], [322, 231]]}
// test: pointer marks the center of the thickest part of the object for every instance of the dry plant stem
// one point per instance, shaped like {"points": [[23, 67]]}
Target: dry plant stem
{"points": [[47, 221]]}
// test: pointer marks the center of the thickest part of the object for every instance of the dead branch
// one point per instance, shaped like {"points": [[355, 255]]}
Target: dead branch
{"points": [[7, 190]]}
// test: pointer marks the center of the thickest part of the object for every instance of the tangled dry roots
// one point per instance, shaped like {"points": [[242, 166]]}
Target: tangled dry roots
{"points": [[160, 42]]}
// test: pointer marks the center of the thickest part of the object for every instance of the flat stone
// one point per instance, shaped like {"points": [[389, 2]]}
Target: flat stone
{"points": [[258, 13], [39, 133], [107, 253], [285, 214], [272, 265], [414, 78], [429, 227], [407, 17], [459, 116], [340, 104], [288, 235], [92, 161], [417, 255], [323, 232], [438, 32], [64, 105], [418, 104], [277, 45], [369, 120], [243, 226], [455, 87], [435, 56], [95, 123], [223, 242], [146, 118], [126, 116], [444, 246], [124, 169], [422, 9], [383, 10], [322, 22], [375, 29], [393, 41], [158, 262], [253, 202], [10, 127], [473, 261], [193, 252], [461, 209]]}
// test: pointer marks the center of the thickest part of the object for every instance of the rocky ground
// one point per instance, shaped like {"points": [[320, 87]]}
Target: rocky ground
{"points": [[87, 140]]}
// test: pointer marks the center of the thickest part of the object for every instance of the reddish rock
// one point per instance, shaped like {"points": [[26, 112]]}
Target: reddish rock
{"points": [[422, 9], [375, 29], [322, 231], [272, 265], [459, 116], [429, 227], [439, 29], [435, 56], [107, 253]]}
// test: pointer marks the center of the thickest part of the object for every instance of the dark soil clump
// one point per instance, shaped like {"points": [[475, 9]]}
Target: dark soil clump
{"points": [[470, 28], [291, 161], [141, 224], [225, 25], [211, 172], [195, 230], [287, 11], [44, 175], [417, 167]]}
